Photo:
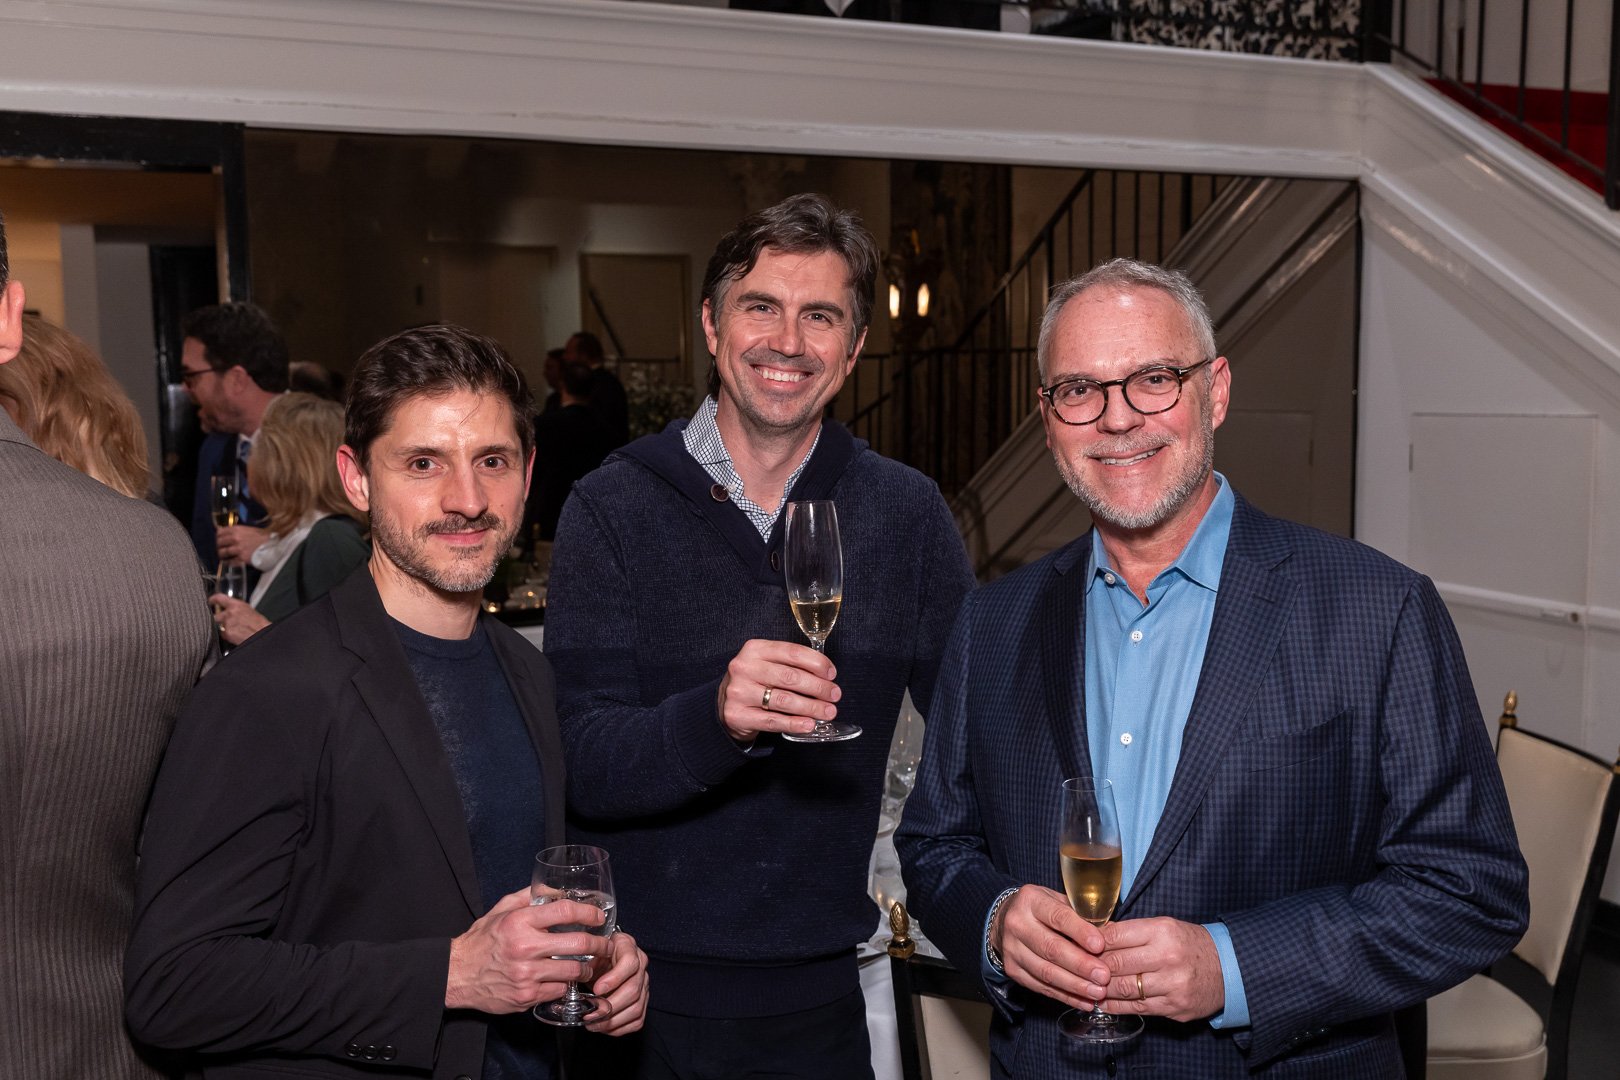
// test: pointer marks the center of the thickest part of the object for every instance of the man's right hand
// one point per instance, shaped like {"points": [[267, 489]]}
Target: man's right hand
{"points": [[503, 963], [1047, 948], [800, 682]]}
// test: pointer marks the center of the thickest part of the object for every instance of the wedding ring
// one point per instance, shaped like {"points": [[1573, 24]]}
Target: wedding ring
{"points": [[765, 702], [1141, 994]]}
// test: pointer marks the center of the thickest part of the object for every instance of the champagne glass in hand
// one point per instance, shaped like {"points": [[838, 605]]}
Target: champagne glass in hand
{"points": [[223, 501], [813, 565], [1091, 857], [580, 873]]}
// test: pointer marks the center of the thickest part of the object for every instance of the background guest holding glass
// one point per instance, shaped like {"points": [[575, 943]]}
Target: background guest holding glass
{"points": [[1313, 831], [312, 537], [233, 363], [64, 399], [679, 667]]}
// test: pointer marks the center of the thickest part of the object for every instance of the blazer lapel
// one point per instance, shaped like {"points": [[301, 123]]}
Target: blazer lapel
{"points": [[389, 690], [1252, 612], [1063, 644], [537, 701]]}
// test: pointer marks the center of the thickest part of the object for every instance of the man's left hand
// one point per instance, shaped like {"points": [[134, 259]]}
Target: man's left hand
{"points": [[624, 985], [1179, 968]]}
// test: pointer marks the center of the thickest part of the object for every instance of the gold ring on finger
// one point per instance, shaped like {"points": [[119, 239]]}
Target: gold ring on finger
{"points": [[765, 702], [1141, 994]]}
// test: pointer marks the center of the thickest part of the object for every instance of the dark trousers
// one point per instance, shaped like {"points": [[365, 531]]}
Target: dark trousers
{"points": [[825, 1043]]}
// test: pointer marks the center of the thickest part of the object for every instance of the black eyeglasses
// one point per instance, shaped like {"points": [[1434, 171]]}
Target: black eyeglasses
{"points": [[1152, 390], [189, 376]]}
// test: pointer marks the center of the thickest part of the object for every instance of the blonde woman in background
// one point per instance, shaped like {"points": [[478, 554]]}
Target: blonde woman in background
{"points": [[64, 399], [315, 538]]}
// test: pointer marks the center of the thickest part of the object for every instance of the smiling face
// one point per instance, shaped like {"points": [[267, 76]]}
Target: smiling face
{"points": [[444, 483], [781, 340], [1135, 472]]}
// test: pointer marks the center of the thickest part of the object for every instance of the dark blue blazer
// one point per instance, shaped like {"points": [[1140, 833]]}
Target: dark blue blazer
{"points": [[1336, 804]]}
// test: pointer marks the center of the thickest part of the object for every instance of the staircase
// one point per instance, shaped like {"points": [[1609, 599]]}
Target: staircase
{"points": [[1276, 262], [947, 408]]}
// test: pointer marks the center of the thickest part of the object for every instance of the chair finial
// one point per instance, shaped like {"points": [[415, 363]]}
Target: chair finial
{"points": [[900, 944], [1510, 707]]}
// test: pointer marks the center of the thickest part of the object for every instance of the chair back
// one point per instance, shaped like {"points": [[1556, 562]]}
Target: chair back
{"points": [[942, 1014], [1564, 805]]}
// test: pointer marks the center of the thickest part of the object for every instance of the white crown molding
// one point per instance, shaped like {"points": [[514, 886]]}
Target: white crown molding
{"points": [[656, 75]]}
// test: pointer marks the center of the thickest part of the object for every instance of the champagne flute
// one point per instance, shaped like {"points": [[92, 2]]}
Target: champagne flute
{"points": [[813, 566], [224, 500], [1092, 860], [577, 872], [231, 581]]}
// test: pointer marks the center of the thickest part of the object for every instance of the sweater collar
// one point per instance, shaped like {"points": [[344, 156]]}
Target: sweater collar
{"points": [[666, 456]]}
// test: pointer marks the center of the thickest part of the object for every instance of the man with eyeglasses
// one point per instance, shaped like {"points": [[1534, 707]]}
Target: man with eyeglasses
{"points": [[233, 364], [1313, 828]]}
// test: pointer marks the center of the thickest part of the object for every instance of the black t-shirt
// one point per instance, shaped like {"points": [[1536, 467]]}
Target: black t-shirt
{"points": [[497, 772]]}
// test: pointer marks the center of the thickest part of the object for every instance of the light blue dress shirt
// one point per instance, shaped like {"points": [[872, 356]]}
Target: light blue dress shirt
{"points": [[1142, 667]]}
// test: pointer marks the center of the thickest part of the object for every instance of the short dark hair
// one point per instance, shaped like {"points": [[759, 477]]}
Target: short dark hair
{"points": [[430, 361], [240, 335], [577, 377], [5, 262], [588, 346], [806, 224]]}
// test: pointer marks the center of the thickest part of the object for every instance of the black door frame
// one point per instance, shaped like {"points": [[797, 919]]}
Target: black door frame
{"points": [[167, 145]]}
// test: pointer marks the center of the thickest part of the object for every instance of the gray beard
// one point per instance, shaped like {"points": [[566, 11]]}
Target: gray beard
{"points": [[1174, 498]]}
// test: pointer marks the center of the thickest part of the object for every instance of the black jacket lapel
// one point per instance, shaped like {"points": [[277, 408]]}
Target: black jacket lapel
{"points": [[389, 691]]}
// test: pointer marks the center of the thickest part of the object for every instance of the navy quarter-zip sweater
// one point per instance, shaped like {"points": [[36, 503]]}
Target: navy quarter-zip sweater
{"points": [[742, 873]]}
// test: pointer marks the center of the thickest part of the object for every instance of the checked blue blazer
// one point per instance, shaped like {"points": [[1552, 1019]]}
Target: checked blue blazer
{"points": [[1336, 804]]}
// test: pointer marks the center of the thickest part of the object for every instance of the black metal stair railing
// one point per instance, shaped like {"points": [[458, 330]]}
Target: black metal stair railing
{"points": [[1577, 129], [945, 409]]}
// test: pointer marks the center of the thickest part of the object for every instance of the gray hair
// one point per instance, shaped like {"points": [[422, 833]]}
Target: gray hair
{"points": [[1130, 274]]}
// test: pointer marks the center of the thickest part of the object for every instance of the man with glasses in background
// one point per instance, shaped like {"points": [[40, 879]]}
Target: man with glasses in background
{"points": [[1314, 831], [233, 363]]}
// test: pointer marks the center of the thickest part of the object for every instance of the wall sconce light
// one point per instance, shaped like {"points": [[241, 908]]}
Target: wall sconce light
{"points": [[894, 301], [922, 301]]}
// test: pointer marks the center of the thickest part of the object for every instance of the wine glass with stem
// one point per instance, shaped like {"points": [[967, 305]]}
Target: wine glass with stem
{"points": [[813, 566], [1092, 859], [581, 873], [224, 501]]}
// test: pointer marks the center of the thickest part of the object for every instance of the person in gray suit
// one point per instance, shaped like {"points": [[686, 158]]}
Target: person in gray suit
{"points": [[103, 632]]}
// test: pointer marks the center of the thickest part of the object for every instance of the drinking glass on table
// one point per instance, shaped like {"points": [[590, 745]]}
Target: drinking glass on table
{"points": [[224, 500], [813, 566], [577, 872], [1092, 860]]}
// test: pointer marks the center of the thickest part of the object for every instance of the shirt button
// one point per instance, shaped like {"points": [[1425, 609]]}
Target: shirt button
{"points": [[1109, 578], [1125, 739], [1136, 635], [719, 493]]}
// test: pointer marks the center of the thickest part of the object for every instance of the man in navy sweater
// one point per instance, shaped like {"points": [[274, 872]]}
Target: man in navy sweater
{"points": [[740, 857]]}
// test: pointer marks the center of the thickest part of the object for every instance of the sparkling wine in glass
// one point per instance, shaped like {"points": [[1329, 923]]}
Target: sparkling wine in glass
{"points": [[224, 501], [581, 873], [1091, 859], [813, 566]]}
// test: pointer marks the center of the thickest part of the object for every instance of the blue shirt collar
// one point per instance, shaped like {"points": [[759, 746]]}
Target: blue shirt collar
{"points": [[1200, 561]]}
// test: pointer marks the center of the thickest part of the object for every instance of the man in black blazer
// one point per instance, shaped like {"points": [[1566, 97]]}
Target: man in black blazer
{"points": [[336, 863]]}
